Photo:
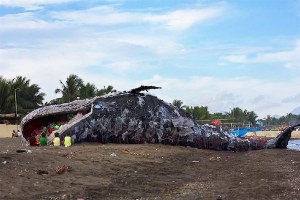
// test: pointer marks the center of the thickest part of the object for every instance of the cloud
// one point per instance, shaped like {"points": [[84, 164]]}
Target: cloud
{"points": [[128, 48], [183, 19], [236, 58], [178, 20], [32, 4], [46, 65], [221, 94], [289, 58], [25, 21], [292, 99], [159, 44], [106, 15], [48, 60], [101, 15], [258, 99]]}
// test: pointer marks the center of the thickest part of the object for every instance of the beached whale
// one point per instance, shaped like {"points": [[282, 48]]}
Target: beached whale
{"points": [[137, 117]]}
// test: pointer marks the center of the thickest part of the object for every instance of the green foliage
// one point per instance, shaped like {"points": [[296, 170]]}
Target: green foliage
{"points": [[75, 88], [199, 113], [178, 103], [236, 115], [243, 116], [219, 116], [28, 95], [288, 120], [252, 116], [54, 102], [87, 91], [5, 104], [70, 90], [106, 90]]}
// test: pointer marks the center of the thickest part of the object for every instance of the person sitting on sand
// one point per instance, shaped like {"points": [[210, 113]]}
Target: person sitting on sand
{"points": [[14, 134], [32, 140], [19, 133], [67, 140], [43, 140], [56, 140], [37, 139]]}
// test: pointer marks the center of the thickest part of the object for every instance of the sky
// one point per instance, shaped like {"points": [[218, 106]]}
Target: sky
{"points": [[220, 54]]}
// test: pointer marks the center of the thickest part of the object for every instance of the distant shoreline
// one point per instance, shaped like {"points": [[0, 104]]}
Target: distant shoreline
{"points": [[272, 134]]}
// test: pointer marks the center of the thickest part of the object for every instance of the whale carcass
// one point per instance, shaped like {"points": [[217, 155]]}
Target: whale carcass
{"points": [[138, 117]]}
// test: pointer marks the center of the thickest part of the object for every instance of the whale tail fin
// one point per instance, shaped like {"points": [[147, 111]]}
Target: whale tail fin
{"points": [[282, 140]]}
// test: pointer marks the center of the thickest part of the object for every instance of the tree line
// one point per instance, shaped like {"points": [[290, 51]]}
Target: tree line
{"points": [[236, 114], [287, 120], [30, 97]]}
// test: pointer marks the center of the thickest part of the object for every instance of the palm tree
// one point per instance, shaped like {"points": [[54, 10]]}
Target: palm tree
{"points": [[252, 117], [29, 95], [87, 91], [5, 105], [106, 90], [237, 114], [71, 89], [198, 112], [178, 103]]}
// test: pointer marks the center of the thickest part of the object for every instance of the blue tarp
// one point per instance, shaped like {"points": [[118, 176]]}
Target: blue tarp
{"points": [[244, 131]]}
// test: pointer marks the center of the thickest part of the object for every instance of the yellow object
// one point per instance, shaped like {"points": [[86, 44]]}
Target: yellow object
{"points": [[56, 141], [67, 141]]}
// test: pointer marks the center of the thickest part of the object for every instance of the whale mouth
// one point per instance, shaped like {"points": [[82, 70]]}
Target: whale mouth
{"points": [[53, 115], [55, 119]]}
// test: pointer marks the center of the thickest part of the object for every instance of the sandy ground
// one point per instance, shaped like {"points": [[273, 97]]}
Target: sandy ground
{"points": [[149, 171]]}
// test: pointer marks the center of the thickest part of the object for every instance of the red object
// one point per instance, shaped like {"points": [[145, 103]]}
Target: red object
{"points": [[216, 122], [51, 130], [37, 132]]}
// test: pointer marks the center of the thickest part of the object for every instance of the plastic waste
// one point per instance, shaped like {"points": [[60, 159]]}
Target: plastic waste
{"points": [[23, 151], [113, 155]]}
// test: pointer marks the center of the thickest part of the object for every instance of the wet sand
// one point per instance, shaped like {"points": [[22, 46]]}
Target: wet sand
{"points": [[148, 171]]}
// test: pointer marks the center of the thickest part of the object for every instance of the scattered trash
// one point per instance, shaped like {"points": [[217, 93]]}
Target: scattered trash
{"points": [[62, 169], [113, 155], [141, 153], [215, 158], [195, 161], [67, 155], [42, 172], [23, 151], [5, 151], [4, 162]]}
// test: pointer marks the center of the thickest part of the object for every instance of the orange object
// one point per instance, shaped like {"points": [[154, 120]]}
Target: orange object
{"points": [[216, 122]]}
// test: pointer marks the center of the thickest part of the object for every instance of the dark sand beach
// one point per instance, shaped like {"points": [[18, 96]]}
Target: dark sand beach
{"points": [[148, 171]]}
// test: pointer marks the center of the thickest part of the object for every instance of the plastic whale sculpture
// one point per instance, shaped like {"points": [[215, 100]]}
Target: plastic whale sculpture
{"points": [[137, 117]]}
